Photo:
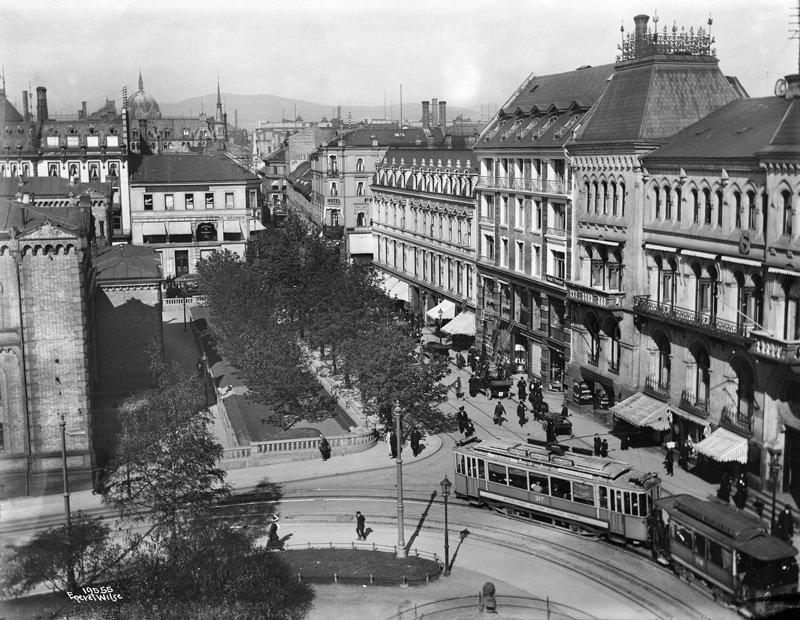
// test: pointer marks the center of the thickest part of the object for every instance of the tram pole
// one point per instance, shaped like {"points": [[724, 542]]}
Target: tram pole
{"points": [[401, 543]]}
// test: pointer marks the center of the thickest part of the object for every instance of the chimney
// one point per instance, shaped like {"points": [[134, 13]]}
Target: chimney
{"points": [[448, 141], [469, 141], [41, 103], [26, 113], [83, 109], [443, 114], [430, 142], [435, 113], [426, 114], [641, 28]]}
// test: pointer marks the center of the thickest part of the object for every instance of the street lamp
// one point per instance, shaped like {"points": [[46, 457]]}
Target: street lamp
{"points": [[183, 294], [440, 325], [774, 471], [446, 484], [205, 376], [63, 425], [401, 543]]}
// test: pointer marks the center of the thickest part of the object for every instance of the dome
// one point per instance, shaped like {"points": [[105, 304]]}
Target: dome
{"points": [[142, 104]]}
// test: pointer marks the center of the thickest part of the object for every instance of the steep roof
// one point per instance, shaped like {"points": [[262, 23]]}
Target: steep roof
{"points": [[439, 159], [388, 137], [582, 86], [657, 96], [186, 168], [48, 186], [127, 262], [15, 215], [741, 129], [8, 113]]}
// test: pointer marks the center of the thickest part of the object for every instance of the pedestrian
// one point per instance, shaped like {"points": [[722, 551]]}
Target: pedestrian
{"points": [[324, 448], [604, 448], [740, 496], [784, 528], [416, 436], [388, 438], [669, 461], [532, 396], [623, 440], [474, 386], [460, 363], [758, 506], [724, 492], [545, 407], [522, 390], [471, 359], [200, 367], [457, 388], [550, 431], [395, 443], [360, 521], [499, 413], [273, 540], [597, 444], [469, 430], [461, 418], [564, 410], [521, 413]]}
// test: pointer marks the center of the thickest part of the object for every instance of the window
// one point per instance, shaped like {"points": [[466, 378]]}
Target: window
{"points": [[519, 217], [559, 487], [539, 484], [497, 473], [360, 188], [73, 142], [169, 202], [787, 213], [517, 478], [708, 207], [537, 222], [73, 170], [519, 258], [116, 222], [113, 169], [718, 555], [112, 141], [148, 202], [751, 210], [360, 164], [52, 170], [559, 265], [181, 262], [737, 205], [488, 247], [583, 493], [92, 141], [209, 200], [695, 207], [504, 211], [720, 208], [559, 220], [602, 496], [657, 200], [334, 189], [229, 200], [188, 201], [678, 203], [504, 255], [536, 260], [682, 535], [52, 140]]}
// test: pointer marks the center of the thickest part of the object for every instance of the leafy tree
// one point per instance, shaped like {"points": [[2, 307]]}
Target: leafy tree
{"points": [[166, 458], [65, 558]]}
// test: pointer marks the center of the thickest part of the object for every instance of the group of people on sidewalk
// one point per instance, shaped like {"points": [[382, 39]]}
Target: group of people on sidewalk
{"points": [[394, 442]]}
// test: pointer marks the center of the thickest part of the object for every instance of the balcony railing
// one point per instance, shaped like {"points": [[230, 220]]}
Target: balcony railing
{"points": [[556, 232], [735, 421], [594, 297], [694, 404], [613, 366], [524, 185], [593, 358], [656, 388], [560, 335], [701, 321], [775, 349], [333, 172]]}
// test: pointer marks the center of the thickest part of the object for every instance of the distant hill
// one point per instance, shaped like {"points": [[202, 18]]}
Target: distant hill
{"points": [[254, 108]]}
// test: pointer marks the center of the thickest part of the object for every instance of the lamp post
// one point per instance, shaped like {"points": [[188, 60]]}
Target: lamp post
{"points": [[205, 376], [774, 470], [446, 484], [63, 425], [401, 542], [183, 295], [440, 325]]}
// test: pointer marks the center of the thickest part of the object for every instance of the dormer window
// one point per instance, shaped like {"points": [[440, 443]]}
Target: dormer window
{"points": [[73, 142]]}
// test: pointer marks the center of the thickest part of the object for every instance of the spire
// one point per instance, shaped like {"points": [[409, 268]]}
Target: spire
{"points": [[141, 81], [218, 115]]}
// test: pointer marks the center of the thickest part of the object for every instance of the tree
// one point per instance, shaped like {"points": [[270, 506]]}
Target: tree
{"points": [[166, 458], [79, 551]]}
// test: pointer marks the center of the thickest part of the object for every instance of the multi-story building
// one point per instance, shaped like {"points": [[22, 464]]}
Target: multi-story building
{"points": [[274, 183], [186, 206], [524, 235], [423, 225], [719, 311]]}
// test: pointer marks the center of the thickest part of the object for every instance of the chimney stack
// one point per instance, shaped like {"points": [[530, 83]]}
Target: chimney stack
{"points": [[41, 103], [26, 113], [83, 109], [443, 114], [434, 113], [641, 28], [426, 114]]}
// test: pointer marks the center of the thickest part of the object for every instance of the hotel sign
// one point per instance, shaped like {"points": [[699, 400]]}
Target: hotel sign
{"points": [[333, 202]]}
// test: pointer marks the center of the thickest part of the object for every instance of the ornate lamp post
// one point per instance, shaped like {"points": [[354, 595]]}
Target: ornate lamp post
{"points": [[183, 295], [205, 376], [440, 325], [446, 484], [401, 543], [63, 425], [774, 471]]}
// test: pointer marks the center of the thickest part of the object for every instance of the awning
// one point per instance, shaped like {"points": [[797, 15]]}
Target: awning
{"points": [[448, 309], [723, 446], [464, 323], [399, 291], [255, 226], [389, 282], [179, 228], [231, 226], [701, 422], [153, 229], [643, 410]]}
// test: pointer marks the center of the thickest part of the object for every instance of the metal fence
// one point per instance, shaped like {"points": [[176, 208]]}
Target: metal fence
{"points": [[530, 608]]}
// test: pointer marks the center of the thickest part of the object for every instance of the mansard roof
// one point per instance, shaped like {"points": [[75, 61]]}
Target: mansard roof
{"points": [[741, 129], [387, 137], [16, 217], [655, 97], [186, 168], [49, 186], [438, 159], [561, 90]]}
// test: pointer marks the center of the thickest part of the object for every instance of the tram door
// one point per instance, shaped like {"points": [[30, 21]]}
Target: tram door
{"points": [[616, 520], [474, 471]]}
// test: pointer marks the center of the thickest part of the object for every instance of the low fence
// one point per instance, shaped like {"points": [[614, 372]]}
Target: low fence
{"points": [[304, 448], [530, 608], [179, 301]]}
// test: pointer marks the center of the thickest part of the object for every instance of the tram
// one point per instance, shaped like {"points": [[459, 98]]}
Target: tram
{"points": [[730, 551], [550, 484]]}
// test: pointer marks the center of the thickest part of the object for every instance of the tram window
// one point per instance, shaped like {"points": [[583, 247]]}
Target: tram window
{"points": [[460, 464], [518, 478], [560, 488], [719, 555], [627, 498], [700, 545], [602, 495], [635, 504], [644, 504], [583, 493], [682, 535], [539, 484], [497, 473], [469, 467], [481, 473]]}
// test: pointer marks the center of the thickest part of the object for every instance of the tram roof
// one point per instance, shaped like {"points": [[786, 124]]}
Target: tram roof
{"points": [[533, 455], [744, 532]]}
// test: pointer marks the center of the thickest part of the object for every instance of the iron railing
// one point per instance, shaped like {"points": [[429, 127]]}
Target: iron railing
{"points": [[654, 387], [735, 421], [595, 297], [694, 404], [524, 185], [698, 320]]}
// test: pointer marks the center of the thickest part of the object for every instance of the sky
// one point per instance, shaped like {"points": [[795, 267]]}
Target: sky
{"points": [[355, 52]]}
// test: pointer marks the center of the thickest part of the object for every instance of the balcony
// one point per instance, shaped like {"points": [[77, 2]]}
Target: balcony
{"points": [[613, 366], [702, 322], [560, 335], [524, 185], [693, 404], [654, 387], [333, 172], [735, 421], [487, 218], [602, 299], [775, 349], [556, 232], [593, 358]]}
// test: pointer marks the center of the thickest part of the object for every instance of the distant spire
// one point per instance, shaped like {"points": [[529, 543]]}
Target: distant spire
{"points": [[218, 115], [141, 81]]}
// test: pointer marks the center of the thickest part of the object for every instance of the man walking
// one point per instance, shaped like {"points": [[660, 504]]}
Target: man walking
{"points": [[784, 528], [460, 363], [360, 521], [669, 461], [550, 431], [604, 448], [471, 359], [521, 413], [461, 418], [416, 436], [522, 389], [597, 444], [499, 413], [274, 540]]}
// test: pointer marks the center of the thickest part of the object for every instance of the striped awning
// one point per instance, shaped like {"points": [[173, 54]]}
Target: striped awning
{"points": [[464, 323], [643, 410], [723, 446], [447, 308]]}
